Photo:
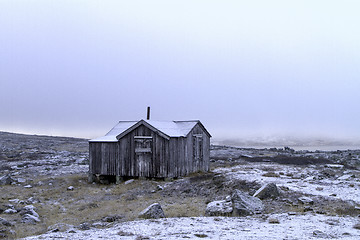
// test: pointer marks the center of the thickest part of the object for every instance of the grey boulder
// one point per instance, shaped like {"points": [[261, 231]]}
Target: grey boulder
{"points": [[244, 204], [219, 208], [269, 190], [153, 211]]}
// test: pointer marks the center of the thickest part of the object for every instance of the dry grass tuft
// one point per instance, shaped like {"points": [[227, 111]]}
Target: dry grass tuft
{"points": [[273, 221], [271, 174]]}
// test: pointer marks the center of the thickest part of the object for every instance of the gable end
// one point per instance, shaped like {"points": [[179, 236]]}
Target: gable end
{"points": [[142, 122], [202, 127]]}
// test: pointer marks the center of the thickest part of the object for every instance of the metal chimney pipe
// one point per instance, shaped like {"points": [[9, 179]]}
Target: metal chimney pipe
{"points": [[148, 113]]}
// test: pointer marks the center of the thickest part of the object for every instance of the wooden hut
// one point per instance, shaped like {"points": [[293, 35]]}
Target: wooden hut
{"points": [[146, 148]]}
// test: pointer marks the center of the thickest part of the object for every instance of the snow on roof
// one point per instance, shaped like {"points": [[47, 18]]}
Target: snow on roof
{"points": [[169, 128]]}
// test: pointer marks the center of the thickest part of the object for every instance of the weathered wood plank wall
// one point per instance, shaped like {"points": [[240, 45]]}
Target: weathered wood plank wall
{"points": [[172, 157]]}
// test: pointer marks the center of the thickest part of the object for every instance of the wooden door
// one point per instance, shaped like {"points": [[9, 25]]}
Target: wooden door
{"points": [[198, 153], [143, 155]]}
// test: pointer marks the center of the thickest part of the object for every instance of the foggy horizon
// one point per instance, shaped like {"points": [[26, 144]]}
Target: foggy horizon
{"points": [[246, 70]]}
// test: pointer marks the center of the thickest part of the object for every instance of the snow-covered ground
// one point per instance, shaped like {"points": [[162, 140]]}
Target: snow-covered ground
{"points": [[300, 179], [47, 156], [309, 226]]}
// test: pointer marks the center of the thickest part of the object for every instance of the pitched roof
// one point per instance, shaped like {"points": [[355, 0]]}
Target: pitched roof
{"points": [[165, 128]]}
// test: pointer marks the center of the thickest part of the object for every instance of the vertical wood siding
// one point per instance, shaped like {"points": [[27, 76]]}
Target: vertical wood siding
{"points": [[168, 158]]}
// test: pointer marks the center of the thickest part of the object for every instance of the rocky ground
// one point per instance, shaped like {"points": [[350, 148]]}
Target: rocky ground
{"points": [[45, 194]]}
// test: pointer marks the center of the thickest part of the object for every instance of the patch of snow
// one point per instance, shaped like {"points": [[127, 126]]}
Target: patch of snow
{"points": [[16, 200], [289, 227], [129, 181], [294, 181], [10, 211]]}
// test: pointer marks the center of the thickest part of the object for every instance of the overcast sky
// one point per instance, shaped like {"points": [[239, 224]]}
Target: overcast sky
{"points": [[244, 68]]}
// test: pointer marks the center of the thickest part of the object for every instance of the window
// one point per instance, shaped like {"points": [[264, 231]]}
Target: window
{"points": [[143, 144], [198, 146]]}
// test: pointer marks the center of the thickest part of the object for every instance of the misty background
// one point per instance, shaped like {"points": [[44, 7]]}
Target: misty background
{"points": [[262, 70]]}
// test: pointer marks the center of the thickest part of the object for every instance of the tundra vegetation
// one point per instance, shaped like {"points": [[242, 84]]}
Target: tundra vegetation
{"points": [[44, 189]]}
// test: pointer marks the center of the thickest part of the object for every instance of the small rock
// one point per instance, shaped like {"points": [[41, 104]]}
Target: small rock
{"points": [[59, 227], [319, 188], [357, 226], [153, 211], [112, 218], [308, 209], [273, 221], [345, 177], [320, 234], [306, 200], [292, 213], [334, 166], [31, 200], [70, 188], [28, 186], [6, 180], [332, 222], [84, 226], [21, 180], [10, 211], [7, 234], [200, 235], [14, 200], [5, 222], [99, 224], [30, 219], [29, 209], [333, 195], [219, 208], [309, 178], [129, 181], [159, 188], [269, 190]]}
